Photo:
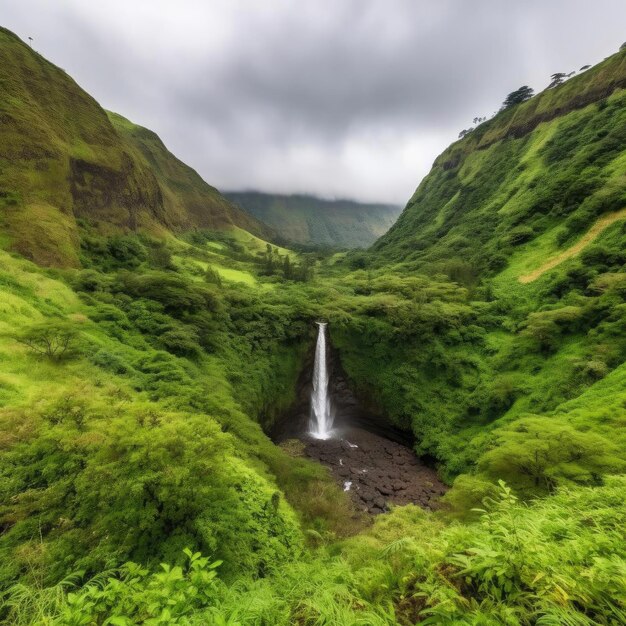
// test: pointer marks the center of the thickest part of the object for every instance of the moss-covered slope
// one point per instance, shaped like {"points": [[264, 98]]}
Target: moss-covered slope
{"points": [[63, 158]]}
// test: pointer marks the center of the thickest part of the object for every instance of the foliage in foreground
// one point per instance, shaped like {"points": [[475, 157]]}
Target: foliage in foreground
{"points": [[557, 561]]}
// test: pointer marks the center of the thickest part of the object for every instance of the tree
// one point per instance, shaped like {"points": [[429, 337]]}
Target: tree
{"points": [[182, 341], [287, 269], [518, 96], [557, 79], [53, 339], [538, 454], [584, 67], [269, 260], [161, 256], [212, 276]]}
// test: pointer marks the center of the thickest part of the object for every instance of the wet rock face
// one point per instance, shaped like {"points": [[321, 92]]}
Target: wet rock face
{"points": [[376, 471], [346, 407]]}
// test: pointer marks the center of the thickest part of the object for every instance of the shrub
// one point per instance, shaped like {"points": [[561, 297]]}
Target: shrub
{"points": [[520, 235], [89, 280], [111, 362], [181, 341]]}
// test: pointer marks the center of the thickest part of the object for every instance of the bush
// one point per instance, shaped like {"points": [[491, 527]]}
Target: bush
{"points": [[180, 341], [89, 281], [110, 362], [520, 235]]}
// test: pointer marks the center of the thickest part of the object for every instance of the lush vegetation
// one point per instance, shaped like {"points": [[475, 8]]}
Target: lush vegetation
{"points": [[310, 221], [140, 375]]}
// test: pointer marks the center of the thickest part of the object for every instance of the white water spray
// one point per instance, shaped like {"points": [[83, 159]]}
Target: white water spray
{"points": [[321, 424]]}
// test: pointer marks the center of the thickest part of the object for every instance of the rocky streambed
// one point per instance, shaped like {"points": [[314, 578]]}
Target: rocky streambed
{"points": [[376, 471]]}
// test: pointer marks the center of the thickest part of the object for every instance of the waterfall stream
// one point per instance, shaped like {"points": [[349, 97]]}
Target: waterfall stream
{"points": [[321, 422]]}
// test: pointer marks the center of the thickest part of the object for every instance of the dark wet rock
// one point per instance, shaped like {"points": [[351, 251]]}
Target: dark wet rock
{"points": [[381, 471], [368, 495]]}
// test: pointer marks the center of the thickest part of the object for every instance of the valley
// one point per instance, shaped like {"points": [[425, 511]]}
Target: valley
{"points": [[161, 362]]}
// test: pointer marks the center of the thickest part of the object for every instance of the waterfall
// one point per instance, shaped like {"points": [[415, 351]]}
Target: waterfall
{"points": [[321, 423]]}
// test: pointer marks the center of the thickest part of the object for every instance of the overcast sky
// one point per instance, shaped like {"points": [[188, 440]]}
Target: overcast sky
{"points": [[350, 98]]}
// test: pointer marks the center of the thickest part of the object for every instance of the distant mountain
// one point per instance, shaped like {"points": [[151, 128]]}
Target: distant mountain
{"points": [[307, 219], [64, 158]]}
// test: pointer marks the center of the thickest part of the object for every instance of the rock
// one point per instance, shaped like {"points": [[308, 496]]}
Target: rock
{"points": [[368, 495], [380, 503], [381, 471]]}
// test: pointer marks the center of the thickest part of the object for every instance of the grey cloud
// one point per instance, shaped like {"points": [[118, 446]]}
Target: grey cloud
{"points": [[351, 98]]}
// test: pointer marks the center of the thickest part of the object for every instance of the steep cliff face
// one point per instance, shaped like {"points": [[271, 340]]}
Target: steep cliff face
{"points": [[186, 197], [63, 158], [548, 168]]}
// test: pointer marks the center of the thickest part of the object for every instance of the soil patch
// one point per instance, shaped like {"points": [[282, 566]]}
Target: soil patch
{"points": [[601, 225]]}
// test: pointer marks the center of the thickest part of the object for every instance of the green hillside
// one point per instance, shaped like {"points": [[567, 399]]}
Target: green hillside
{"points": [[304, 219], [62, 159], [536, 176], [150, 338], [527, 217]]}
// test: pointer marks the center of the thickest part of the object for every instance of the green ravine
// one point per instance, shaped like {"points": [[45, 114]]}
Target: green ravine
{"points": [[151, 334]]}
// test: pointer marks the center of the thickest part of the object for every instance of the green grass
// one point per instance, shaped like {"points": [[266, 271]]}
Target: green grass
{"points": [[236, 276], [254, 244]]}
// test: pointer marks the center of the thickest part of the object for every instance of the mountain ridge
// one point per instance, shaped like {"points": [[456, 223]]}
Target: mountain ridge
{"points": [[64, 158], [550, 164]]}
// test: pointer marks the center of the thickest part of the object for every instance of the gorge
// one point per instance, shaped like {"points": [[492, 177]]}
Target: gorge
{"points": [[372, 461]]}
